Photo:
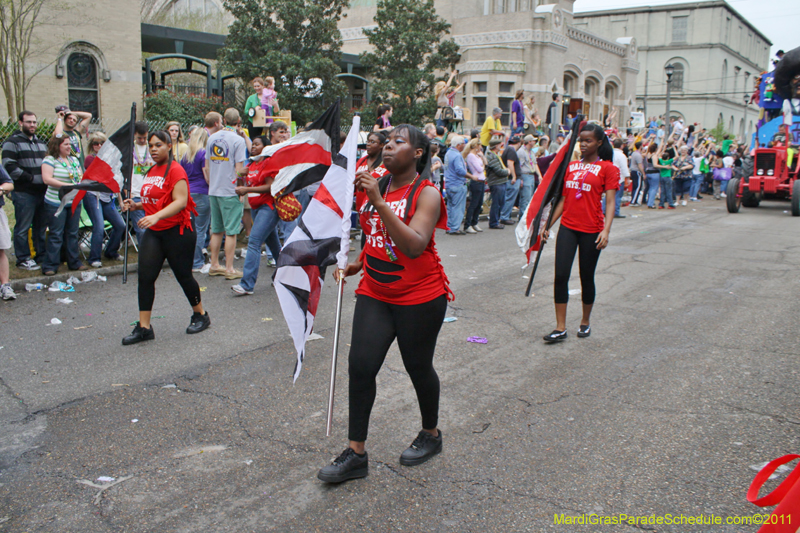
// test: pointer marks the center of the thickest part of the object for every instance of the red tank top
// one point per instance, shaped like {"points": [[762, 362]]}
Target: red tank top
{"points": [[405, 281]]}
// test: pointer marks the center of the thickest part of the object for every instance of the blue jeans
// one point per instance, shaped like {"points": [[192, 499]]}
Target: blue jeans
{"points": [[618, 201], [653, 179], [498, 193], [456, 204], [136, 216], [62, 227], [29, 209], [666, 191], [512, 191], [201, 223], [528, 188], [518, 131], [99, 212], [265, 220], [697, 180], [476, 189]]}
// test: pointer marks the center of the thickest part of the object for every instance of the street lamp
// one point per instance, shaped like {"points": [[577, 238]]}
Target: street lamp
{"points": [[744, 119], [668, 70]]}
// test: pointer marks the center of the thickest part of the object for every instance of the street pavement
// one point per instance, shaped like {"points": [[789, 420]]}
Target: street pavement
{"points": [[688, 382]]}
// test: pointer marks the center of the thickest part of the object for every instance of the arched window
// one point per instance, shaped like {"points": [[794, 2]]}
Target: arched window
{"points": [[82, 84], [730, 125], [676, 82]]}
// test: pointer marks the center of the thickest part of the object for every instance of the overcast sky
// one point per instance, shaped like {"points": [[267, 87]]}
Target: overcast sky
{"points": [[779, 20]]}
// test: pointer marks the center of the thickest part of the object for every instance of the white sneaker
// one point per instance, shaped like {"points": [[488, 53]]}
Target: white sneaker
{"points": [[96, 264], [470, 229], [271, 262], [684, 202], [723, 195], [477, 228], [239, 290], [205, 268], [7, 292]]}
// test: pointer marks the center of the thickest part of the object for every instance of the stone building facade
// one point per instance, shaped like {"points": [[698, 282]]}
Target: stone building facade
{"points": [[87, 55], [533, 45], [717, 54]]}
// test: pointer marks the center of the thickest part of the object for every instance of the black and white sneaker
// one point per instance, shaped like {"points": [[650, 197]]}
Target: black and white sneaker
{"points": [[423, 448], [28, 264], [555, 336], [349, 465], [584, 331]]}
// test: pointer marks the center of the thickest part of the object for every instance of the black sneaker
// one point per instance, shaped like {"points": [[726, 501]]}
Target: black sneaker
{"points": [[584, 331], [349, 465], [198, 323], [423, 448], [139, 334], [555, 336]]}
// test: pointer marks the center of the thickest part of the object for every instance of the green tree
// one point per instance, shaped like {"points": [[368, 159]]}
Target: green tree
{"points": [[297, 42], [409, 46]]}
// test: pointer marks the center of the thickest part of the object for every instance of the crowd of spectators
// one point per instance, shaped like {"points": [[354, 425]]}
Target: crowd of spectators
{"points": [[664, 165]]}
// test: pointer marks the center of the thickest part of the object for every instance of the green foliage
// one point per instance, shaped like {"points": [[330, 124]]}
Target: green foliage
{"points": [[297, 42], [719, 132], [409, 47], [184, 108], [43, 131]]}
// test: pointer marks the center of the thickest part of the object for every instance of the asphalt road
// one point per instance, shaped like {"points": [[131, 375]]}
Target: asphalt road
{"points": [[689, 380]]}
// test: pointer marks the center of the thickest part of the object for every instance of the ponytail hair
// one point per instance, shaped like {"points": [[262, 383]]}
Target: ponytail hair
{"points": [[418, 140], [605, 151]]}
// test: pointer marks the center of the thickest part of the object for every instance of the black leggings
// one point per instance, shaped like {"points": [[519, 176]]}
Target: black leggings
{"points": [[567, 243], [376, 324], [178, 250]]}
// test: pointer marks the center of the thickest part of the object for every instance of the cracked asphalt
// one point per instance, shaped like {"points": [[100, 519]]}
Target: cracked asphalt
{"points": [[689, 380]]}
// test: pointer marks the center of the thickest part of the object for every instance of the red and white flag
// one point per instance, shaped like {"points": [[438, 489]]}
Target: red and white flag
{"points": [[538, 210], [106, 174], [305, 158], [321, 239]]}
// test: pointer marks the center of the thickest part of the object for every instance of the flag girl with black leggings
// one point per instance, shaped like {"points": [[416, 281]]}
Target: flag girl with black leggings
{"points": [[169, 234], [402, 295], [583, 227]]}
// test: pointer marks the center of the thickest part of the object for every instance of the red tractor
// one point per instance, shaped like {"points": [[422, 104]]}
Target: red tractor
{"points": [[768, 178]]}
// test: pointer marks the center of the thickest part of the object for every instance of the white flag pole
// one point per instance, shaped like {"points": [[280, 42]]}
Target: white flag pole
{"points": [[341, 258]]}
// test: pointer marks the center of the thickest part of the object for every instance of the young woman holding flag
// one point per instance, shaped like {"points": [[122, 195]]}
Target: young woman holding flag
{"points": [[169, 234], [584, 228], [402, 295]]}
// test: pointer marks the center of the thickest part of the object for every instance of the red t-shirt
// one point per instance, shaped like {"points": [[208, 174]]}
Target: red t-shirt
{"points": [[585, 214], [405, 281], [363, 166], [255, 178], [157, 194]]}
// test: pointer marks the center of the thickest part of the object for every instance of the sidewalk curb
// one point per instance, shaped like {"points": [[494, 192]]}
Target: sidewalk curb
{"points": [[19, 284]]}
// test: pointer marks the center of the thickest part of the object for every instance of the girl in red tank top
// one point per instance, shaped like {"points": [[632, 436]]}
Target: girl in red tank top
{"points": [[402, 295], [169, 235]]}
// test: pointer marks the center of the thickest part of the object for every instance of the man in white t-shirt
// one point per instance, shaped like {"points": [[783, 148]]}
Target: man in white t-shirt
{"points": [[141, 164], [225, 157]]}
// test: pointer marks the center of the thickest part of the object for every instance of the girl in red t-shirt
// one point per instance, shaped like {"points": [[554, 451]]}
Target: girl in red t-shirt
{"points": [[584, 227], [402, 295], [169, 235]]}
